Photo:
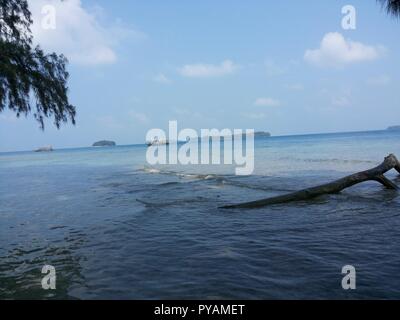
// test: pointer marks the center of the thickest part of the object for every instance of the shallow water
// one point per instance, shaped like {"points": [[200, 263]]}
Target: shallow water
{"points": [[115, 227]]}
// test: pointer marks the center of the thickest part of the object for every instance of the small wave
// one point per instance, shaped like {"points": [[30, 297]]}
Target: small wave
{"points": [[166, 184], [206, 176], [342, 161], [62, 198], [346, 161], [254, 187], [151, 170], [57, 227], [190, 175], [197, 176], [150, 203], [329, 160]]}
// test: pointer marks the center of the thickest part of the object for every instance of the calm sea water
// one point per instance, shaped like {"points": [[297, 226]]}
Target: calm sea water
{"points": [[114, 227]]}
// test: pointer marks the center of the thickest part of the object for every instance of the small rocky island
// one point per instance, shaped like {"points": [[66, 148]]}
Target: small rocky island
{"points": [[104, 143], [263, 134], [45, 149], [258, 134], [394, 128]]}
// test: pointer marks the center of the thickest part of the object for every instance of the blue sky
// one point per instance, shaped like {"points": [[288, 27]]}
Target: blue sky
{"points": [[267, 65]]}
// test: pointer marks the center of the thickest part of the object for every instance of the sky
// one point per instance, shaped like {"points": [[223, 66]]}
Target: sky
{"points": [[287, 67]]}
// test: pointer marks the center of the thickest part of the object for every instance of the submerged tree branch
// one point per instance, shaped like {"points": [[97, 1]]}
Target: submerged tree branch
{"points": [[374, 174]]}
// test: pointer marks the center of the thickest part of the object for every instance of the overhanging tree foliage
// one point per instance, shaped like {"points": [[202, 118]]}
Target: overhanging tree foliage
{"points": [[30, 80], [391, 6]]}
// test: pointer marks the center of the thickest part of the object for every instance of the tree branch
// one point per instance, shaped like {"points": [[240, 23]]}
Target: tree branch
{"points": [[374, 174]]}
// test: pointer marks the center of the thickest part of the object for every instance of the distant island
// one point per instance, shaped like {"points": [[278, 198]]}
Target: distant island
{"points": [[393, 128], [257, 134], [262, 134], [104, 143], [45, 149]]}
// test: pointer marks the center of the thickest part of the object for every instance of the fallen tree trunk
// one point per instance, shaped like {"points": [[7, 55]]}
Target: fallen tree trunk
{"points": [[374, 174]]}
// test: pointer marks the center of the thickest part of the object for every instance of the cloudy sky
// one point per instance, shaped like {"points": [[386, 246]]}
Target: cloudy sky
{"points": [[135, 65]]}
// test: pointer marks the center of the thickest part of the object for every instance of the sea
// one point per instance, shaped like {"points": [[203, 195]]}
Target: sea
{"points": [[115, 227]]}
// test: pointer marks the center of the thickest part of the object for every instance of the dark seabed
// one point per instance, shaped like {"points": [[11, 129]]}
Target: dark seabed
{"points": [[115, 228]]}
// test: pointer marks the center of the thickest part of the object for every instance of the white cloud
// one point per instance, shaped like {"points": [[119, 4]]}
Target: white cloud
{"points": [[336, 51], [295, 87], [182, 111], [253, 116], [109, 122], [342, 98], [381, 80], [267, 102], [208, 70], [272, 69], [139, 117], [341, 101], [78, 33], [162, 78], [185, 113]]}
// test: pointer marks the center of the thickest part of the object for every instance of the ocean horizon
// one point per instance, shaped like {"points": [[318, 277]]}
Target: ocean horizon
{"points": [[144, 143]]}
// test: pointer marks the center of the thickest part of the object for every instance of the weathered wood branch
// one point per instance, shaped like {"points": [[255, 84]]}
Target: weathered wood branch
{"points": [[374, 174]]}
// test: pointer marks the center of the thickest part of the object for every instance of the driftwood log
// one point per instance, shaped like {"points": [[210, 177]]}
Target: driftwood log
{"points": [[374, 174]]}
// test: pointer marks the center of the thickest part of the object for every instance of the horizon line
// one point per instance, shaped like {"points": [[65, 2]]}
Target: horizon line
{"points": [[271, 137]]}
